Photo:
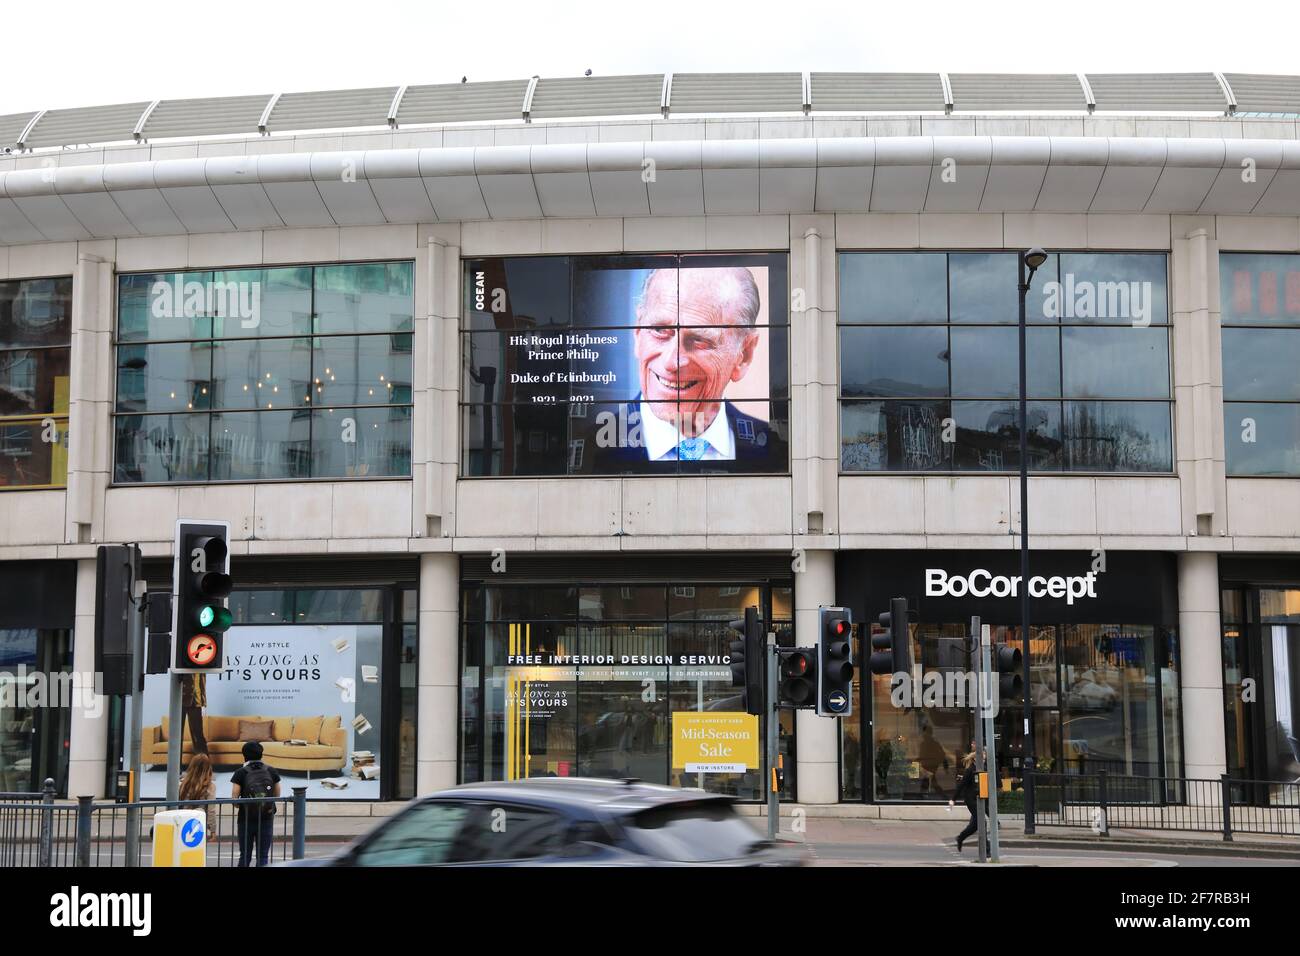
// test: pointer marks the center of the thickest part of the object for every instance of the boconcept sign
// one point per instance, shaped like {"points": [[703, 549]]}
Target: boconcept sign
{"points": [[983, 583]]}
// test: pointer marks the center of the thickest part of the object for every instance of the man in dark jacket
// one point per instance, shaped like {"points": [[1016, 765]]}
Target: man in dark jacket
{"points": [[256, 822]]}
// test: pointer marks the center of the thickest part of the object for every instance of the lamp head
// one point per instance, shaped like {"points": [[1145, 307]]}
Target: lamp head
{"points": [[1034, 258]]}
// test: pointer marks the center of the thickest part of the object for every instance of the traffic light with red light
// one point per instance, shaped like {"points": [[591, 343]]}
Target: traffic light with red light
{"points": [[798, 684], [746, 659], [202, 582], [835, 662]]}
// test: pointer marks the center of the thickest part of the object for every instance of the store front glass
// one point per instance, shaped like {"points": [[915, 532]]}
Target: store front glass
{"points": [[1104, 696], [1261, 677], [35, 708], [587, 680], [323, 677]]}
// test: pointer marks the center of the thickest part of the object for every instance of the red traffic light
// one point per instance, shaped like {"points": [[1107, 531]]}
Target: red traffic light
{"points": [[795, 665]]}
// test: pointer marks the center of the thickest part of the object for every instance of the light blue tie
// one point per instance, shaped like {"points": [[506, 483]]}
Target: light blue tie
{"points": [[692, 449]]}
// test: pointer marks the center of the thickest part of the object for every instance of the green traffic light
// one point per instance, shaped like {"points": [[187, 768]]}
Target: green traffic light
{"points": [[215, 618]]}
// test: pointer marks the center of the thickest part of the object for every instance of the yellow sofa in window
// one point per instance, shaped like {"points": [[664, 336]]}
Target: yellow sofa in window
{"points": [[325, 736]]}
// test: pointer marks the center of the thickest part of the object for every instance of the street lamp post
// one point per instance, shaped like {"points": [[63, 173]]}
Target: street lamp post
{"points": [[1029, 260]]}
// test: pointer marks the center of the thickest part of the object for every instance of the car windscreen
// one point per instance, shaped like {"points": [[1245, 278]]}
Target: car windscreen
{"points": [[693, 832]]}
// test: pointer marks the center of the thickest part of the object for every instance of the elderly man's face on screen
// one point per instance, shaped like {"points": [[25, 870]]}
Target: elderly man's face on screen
{"points": [[695, 335]]}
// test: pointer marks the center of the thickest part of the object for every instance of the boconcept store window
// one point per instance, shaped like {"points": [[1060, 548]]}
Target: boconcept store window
{"points": [[601, 679], [35, 345], [1104, 676], [324, 677], [929, 363], [255, 374], [599, 365], [1259, 301], [1260, 606]]}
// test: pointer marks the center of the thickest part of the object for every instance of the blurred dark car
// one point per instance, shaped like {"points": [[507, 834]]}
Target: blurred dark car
{"points": [[565, 821]]}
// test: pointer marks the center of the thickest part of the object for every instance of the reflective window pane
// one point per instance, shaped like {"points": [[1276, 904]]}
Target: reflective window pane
{"points": [[163, 306], [986, 362], [361, 442], [161, 448], [893, 287], [514, 440], [988, 436], [1118, 436], [367, 297], [894, 436], [260, 445], [270, 374], [621, 603], [888, 362], [168, 377], [1115, 363], [1262, 439], [1261, 365], [261, 302], [1113, 288], [33, 380], [34, 452], [984, 287], [1259, 288], [35, 312], [361, 369]]}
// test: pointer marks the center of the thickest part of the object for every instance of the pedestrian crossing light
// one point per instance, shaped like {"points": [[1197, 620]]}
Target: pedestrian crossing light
{"points": [[1007, 662], [201, 582]]}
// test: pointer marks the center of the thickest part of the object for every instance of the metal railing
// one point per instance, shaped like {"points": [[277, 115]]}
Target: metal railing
{"points": [[1102, 801], [35, 831]]}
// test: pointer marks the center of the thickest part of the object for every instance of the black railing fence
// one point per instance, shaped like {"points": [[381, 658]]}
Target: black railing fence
{"points": [[37, 831], [1104, 801]]}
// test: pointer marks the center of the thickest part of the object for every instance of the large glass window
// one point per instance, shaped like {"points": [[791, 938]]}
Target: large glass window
{"points": [[35, 347], [587, 681], [929, 363], [1260, 307], [325, 678], [625, 365], [263, 374]]}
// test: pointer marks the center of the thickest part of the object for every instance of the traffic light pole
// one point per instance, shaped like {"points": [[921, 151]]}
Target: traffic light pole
{"points": [[981, 825], [773, 711], [135, 626], [176, 732], [990, 737]]}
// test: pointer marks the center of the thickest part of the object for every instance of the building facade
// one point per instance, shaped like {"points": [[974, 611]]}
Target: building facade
{"points": [[510, 418]]}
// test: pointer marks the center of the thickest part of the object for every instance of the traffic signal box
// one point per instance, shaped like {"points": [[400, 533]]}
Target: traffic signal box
{"points": [[746, 653], [834, 662], [202, 582]]}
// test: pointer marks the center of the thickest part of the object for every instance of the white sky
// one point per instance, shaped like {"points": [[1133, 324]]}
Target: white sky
{"points": [[80, 53]]}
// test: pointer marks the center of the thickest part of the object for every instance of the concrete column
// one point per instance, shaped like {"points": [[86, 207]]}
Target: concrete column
{"points": [[439, 680], [1204, 752], [88, 744], [818, 737]]}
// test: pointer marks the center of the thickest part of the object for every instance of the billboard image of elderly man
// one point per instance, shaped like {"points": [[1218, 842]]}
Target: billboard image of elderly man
{"points": [[695, 336]]}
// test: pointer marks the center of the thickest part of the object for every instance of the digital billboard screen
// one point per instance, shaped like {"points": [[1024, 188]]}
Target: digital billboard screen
{"points": [[607, 365]]}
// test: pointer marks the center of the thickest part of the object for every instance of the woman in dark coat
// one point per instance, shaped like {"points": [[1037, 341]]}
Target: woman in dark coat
{"points": [[968, 792]]}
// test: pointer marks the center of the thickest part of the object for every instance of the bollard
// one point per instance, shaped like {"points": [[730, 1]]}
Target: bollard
{"points": [[47, 824], [83, 830], [299, 822], [1226, 799]]}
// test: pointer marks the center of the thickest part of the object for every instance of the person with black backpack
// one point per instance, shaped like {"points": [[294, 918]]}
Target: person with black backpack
{"points": [[256, 821]]}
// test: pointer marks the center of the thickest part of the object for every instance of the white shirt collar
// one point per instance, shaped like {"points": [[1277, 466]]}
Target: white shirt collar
{"points": [[662, 438]]}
